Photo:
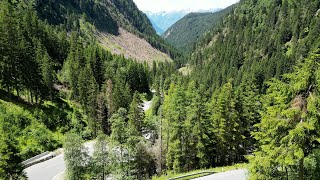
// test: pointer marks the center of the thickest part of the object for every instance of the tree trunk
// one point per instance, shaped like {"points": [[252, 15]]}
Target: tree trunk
{"points": [[31, 97], [301, 169]]}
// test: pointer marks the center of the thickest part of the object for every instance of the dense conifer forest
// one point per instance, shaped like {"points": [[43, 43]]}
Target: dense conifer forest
{"points": [[251, 96]]}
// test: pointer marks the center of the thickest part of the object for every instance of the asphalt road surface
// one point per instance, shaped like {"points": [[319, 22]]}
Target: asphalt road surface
{"points": [[240, 174], [46, 170], [50, 168]]}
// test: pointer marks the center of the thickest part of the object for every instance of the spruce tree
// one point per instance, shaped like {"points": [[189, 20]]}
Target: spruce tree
{"points": [[225, 124], [194, 126], [288, 130], [136, 114]]}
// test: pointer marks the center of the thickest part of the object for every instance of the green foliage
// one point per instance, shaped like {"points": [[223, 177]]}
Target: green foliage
{"points": [[101, 160], [136, 114], [256, 41], [130, 156], [289, 122], [107, 17], [10, 162], [75, 156], [32, 135], [190, 29]]}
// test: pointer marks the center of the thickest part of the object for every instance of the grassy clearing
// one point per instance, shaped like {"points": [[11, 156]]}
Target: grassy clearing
{"points": [[217, 170]]}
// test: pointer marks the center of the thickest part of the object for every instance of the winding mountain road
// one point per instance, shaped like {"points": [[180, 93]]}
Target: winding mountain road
{"points": [[47, 170]]}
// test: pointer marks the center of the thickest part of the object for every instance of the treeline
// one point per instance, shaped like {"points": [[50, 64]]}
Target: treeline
{"points": [[276, 132], [200, 130], [105, 16], [101, 82], [257, 41], [63, 83], [256, 95], [125, 154], [30, 52]]}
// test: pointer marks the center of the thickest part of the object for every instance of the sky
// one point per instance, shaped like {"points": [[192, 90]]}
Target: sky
{"points": [[173, 5]]}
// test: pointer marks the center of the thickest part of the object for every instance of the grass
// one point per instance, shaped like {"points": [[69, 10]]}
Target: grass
{"points": [[217, 170]]}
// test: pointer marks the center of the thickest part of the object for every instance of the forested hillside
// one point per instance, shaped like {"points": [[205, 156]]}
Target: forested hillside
{"points": [[185, 33], [103, 19], [55, 80], [252, 95], [258, 44]]}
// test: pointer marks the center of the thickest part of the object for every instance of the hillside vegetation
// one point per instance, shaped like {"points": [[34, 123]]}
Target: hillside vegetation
{"points": [[190, 29], [248, 91], [257, 41], [252, 94], [57, 80], [105, 17]]}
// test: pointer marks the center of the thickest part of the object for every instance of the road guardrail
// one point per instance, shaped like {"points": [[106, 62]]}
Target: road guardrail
{"points": [[193, 174]]}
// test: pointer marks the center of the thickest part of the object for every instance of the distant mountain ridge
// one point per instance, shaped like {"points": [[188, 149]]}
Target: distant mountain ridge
{"points": [[163, 20], [188, 30]]}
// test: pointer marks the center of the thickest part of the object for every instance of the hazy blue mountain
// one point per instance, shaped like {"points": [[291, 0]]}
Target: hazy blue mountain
{"points": [[161, 21]]}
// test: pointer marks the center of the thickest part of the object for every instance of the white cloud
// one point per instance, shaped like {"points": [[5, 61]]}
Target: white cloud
{"points": [[171, 5]]}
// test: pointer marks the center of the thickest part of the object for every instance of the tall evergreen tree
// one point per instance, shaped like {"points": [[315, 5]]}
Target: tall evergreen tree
{"points": [[195, 132], [225, 124], [288, 131], [136, 114]]}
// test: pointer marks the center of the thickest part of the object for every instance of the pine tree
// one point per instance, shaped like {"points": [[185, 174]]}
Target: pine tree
{"points": [[248, 107], [9, 47], [102, 113], [119, 137], [288, 129], [175, 114], [194, 126], [109, 98], [47, 68], [136, 114], [224, 126]]}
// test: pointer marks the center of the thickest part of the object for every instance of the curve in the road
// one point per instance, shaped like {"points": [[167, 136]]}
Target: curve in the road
{"points": [[49, 169], [46, 170]]}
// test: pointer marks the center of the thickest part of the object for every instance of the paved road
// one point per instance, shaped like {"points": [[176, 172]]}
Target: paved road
{"points": [[240, 174], [46, 170], [49, 169]]}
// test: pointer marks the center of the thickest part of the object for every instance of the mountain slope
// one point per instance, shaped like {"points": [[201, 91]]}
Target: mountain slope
{"points": [[105, 17], [188, 30], [257, 44]]}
